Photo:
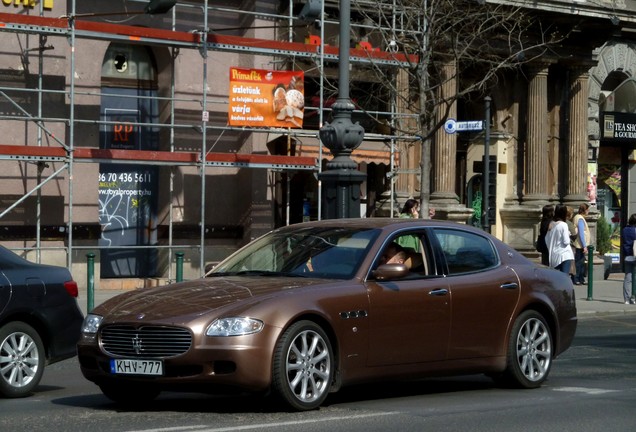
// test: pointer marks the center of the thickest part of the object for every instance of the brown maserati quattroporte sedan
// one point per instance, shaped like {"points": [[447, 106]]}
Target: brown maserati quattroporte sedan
{"points": [[309, 308]]}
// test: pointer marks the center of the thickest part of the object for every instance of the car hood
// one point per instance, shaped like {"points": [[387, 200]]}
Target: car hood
{"points": [[195, 298]]}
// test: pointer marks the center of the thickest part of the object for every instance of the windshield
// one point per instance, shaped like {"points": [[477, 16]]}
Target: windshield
{"points": [[323, 252]]}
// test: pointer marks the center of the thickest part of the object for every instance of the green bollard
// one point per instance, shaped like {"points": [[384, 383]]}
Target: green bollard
{"points": [[90, 281], [179, 256], [590, 272]]}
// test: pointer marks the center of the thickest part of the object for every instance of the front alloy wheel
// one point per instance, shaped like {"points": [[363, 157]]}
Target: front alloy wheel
{"points": [[529, 351], [22, 359], [303, 366]]}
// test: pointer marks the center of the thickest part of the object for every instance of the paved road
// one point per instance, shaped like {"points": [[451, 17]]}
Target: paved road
{"points": [[591, 388]]}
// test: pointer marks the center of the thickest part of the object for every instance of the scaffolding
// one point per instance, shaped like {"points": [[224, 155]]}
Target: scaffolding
{"points": [[178, 32]]}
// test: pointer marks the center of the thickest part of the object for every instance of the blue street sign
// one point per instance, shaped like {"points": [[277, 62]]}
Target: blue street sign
{"points": [[451, 126]]}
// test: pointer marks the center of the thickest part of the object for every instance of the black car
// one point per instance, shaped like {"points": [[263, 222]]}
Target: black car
{"points": [[40, 321]]}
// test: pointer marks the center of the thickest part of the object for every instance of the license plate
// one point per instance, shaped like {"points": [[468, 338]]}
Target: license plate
{"points": [[136, 367]]}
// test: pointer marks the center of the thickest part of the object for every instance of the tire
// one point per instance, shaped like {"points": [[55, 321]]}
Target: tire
{"points": [[130, 394], [22, 359], [529, 351], [303, 366]]}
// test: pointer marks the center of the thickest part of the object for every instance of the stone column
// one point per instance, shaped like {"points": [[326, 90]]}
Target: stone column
{"points": [[445, 145], [576, 191], [536, 184], [444, 200]]}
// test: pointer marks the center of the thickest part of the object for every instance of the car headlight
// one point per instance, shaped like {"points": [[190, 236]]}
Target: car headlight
{"points": [[91, 324], [235, 326]]}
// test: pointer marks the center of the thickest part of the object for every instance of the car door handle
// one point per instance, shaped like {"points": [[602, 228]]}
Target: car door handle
{"points": [[438, 292], [511, 285]]}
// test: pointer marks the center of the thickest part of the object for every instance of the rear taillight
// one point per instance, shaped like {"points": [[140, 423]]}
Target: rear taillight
{"points": [[71, 288]]}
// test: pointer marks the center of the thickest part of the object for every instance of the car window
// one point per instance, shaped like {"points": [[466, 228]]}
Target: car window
{"points": [[335, 253], [410, 249], [466, 252], [312, 252]]}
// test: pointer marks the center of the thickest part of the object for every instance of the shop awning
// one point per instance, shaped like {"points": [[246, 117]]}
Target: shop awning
{"points": [[378, 152]]}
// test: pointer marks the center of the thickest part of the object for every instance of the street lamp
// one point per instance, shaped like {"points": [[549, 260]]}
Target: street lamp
{"points": [[311, 11], [341, 180]]}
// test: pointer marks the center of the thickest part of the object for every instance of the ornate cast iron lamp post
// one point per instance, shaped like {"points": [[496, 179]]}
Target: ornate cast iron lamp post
{"points": [[341, 180]]}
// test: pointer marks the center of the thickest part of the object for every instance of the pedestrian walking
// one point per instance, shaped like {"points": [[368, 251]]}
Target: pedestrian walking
{"points": [[581, 243], [573, 233], [547, 219], [628, 238], [411, 210], [558, 241]]}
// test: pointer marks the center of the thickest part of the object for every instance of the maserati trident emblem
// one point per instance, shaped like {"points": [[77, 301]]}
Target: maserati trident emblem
{"points": [[136, 344]]}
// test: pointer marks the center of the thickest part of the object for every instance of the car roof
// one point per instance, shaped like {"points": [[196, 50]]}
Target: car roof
{"points": [[383, 223], [9, 257], [388, 225]]}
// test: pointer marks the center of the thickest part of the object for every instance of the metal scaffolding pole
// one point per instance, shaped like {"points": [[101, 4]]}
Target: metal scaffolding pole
{"points": [[38, 210], [173, 53], [321, 118], [204, 122], [71, 139]]}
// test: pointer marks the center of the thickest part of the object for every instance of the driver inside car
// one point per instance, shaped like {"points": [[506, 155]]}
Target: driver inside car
{"points": [[393, 254]]}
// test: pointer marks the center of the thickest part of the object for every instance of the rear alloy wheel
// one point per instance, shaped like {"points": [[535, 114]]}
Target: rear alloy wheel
{"points": [[303, 366], [529, 351], [22, 359], [132, 394]]}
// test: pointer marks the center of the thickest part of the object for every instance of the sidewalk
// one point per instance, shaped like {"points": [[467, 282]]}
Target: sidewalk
{"points": [[607, 297]]}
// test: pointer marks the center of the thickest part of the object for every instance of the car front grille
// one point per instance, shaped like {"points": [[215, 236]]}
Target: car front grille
{"points": [[145, 342]]}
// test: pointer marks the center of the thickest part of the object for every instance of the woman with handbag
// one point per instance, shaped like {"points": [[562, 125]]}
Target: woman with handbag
{"points": [[628, 241], [581, 243], [558, 241]]}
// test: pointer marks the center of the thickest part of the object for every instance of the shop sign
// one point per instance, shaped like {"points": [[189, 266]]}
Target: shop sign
{"points": [[46, 4], [265, 98], [619, 126]]}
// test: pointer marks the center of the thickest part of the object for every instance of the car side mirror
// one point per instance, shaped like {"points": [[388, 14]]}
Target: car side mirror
{"points": [[390, 272]]}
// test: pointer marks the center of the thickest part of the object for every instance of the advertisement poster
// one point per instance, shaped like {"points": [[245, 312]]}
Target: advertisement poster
{"points": [[264, 98], [128, 193]]}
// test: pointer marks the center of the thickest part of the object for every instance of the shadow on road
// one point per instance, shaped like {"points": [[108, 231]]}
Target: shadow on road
{"points": [[203, 403]]}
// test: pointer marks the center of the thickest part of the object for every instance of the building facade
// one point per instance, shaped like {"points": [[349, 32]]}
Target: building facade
{"points": [[117, 137]]}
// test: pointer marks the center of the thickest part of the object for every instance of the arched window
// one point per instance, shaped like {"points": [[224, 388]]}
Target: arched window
{"points": [[129, 66]]}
